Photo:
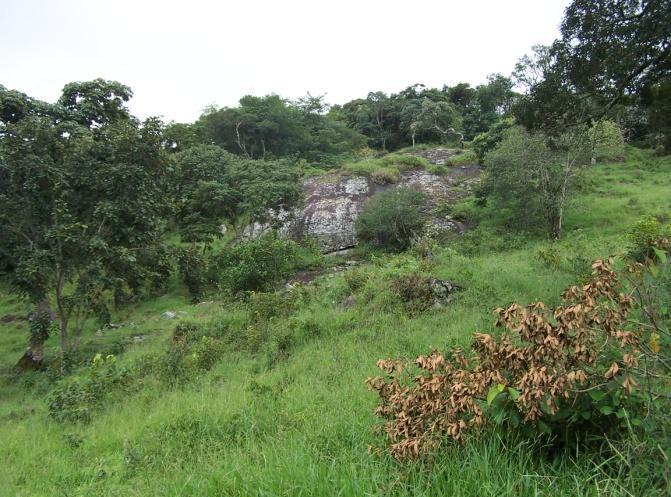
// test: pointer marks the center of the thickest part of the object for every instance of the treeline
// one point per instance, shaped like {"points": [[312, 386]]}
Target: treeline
{"points": [[310, 129]]}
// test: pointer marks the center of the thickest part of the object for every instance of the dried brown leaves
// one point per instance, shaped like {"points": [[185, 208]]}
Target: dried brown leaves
{"points": [[548, 356]]}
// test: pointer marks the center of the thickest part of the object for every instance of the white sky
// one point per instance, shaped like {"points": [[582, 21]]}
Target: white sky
{"points": [[179, 56]]}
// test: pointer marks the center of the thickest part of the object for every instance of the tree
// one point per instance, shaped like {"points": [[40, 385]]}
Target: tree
{"points": [[612, 56], [81, 205], [96, 103], [615, 48], [533, 175], [203, 194], [440, 118], [410, 118], [213, 186]]}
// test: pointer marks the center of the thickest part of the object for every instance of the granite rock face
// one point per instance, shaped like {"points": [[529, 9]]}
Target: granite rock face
{"points": [[332, 204]]}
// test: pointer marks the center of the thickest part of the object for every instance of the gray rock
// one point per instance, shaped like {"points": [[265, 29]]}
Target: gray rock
{"points": [[348, 302], [169, 315], [332, 204]]}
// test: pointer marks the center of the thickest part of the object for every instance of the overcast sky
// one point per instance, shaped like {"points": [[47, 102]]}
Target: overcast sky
{"points": [[179, 56]]}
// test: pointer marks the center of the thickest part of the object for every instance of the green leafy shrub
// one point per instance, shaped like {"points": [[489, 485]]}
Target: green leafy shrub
{"points": [[194, 348], [645, 236], [463, 158], [266, 305], [437, 169], [362, 168], [257, 265], [206, 352], [550, 256], [391, 220], [77, 397]]}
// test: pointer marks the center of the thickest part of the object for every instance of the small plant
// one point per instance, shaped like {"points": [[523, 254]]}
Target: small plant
{"points": [[648, 233], [550, 256], [192, 350], [405, 162], [385, 175]]}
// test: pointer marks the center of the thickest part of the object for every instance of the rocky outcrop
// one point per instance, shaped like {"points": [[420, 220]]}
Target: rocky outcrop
{"points": [[332, 204], [330, 209]]}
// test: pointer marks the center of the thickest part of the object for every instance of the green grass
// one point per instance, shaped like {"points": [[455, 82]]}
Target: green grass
{"points": [[300, 423]]}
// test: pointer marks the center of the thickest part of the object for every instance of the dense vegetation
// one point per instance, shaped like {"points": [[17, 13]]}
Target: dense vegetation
{"points": [[150, 346]]}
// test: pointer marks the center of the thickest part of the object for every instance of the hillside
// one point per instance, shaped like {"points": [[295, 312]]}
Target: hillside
{"points": [[278, 405]]}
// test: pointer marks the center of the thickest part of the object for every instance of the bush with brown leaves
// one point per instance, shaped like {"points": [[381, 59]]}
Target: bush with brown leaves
{"points": [[554, 371]]}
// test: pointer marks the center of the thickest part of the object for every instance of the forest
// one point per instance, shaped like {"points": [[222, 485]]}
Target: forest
{"points": [[459, 291]]}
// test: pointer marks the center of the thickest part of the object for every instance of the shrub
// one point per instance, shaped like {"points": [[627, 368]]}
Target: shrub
{"points": [[415, 292], [646, 235], [266, 305], [258, 264], [607, 140], [193, 350], [356, 278], [567, 372], [391, 220], [385, 175], [362, 168], [75, 398], [463, 158], [437, 169]]}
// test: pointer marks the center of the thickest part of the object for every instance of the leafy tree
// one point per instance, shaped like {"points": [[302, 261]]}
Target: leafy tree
{"points": [[410, 118], [533, 175], [81, 203], [616, 48], [613, 57], [213, 186], [440, 118], [96, 103], [550, 102], [179, 137], [486, 142], [489, 103], [265, 188], [392, 219]]}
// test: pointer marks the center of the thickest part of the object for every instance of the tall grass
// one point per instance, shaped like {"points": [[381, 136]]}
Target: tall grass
{"points": [[300, 423]]}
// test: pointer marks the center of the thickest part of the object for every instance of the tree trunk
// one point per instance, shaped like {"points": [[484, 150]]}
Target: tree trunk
{"points": [[40, 324]]}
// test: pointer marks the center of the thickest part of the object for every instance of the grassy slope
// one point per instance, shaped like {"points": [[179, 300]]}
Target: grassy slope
{"points": [[302, 427]]}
